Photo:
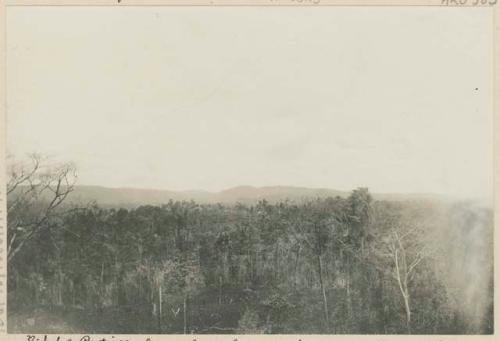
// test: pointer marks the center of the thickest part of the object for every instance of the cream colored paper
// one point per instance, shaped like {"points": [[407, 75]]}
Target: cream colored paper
{"points": [[489, 102]]}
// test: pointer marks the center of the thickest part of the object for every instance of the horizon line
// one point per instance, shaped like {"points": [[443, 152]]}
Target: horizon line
{"points": [[256, 187]]}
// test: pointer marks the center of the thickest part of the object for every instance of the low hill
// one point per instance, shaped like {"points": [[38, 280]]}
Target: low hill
{"points": [[131, 197]]}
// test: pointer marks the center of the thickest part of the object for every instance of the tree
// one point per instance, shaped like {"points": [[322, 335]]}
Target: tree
{"points": [[359, 211], [404, 240], [36, 188], [190, 283], [315, 228]]}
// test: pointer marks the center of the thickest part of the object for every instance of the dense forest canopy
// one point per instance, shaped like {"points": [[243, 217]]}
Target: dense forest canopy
{"points": [[325, 265]]}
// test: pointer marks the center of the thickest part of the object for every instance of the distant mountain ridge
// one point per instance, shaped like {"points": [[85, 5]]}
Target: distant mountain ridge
{"points": [[131, 197]]}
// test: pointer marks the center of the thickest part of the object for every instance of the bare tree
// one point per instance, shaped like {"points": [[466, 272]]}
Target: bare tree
{"points": [[404, 268], [405, 242], [36, 188]]}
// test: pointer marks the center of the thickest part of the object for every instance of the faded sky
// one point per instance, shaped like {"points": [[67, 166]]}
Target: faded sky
{"points": [[209, 98]]}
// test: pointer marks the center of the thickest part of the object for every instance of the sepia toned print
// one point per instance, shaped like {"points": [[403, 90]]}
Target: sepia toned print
{"points": [[197, 170]]}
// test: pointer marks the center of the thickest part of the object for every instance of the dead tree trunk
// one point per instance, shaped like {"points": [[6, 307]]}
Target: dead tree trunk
{"points": [[159, 307], [295, 281], [322, 286], [185, 314], [220, 290], [403, 272]]}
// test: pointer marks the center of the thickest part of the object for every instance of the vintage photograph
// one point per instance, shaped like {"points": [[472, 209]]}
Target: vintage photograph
{"points": [[249, 170]]}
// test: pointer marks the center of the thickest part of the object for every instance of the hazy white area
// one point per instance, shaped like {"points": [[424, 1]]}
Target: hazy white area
{"points": [[396, 99]]}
